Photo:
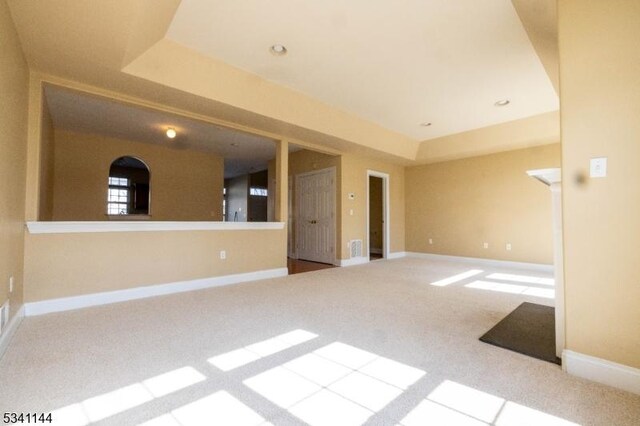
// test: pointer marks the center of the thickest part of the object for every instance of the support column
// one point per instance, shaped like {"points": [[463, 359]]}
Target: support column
{"points": [[553, 179], [34, 138], [558, 262], [282, 180]]}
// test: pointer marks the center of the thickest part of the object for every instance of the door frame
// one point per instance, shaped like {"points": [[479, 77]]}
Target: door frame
{"points": [[332, 170], [292, 251], [386, 233]]}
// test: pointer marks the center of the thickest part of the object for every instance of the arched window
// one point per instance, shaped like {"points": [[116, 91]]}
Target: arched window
{"points": [[128, 187]]}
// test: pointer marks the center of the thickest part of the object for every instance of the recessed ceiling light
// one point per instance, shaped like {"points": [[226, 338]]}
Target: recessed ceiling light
{"points": [[425, 124], [503, 102], [278, 50], [171, 133]]}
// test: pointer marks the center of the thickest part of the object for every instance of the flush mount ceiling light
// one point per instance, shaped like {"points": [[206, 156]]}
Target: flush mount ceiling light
{"points": [[171, 133], [425, 124], [502, 102], [278, 50]]}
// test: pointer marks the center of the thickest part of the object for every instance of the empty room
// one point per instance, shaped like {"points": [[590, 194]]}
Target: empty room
{"points": [[319, 213]]}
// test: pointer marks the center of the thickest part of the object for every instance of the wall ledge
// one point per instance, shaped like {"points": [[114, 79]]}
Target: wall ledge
{"points": [[490, 262], [137, 226], [602, 371], [97, 299], [10, 330]]}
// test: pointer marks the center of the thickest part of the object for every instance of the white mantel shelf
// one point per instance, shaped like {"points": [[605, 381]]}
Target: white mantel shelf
{"points": [[546, 176], [137, 226]]}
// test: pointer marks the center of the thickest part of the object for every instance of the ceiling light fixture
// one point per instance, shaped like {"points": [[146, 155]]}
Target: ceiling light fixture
{"points": [[278, 50], [426, 124], [502, 102], [171, 133], [234, 144]]}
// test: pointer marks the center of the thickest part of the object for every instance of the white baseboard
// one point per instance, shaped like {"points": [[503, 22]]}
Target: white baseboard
{"points": [[96, 299], [397, 255], [491, 262], [353, 261], [601, 371], [10, 330]]}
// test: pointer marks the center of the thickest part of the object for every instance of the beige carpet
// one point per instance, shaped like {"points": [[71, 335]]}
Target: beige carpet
{"points": [[375, 344]]}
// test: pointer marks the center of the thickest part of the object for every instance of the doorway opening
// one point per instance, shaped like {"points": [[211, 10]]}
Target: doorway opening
{"points": [[315, 216], [377, 215]]}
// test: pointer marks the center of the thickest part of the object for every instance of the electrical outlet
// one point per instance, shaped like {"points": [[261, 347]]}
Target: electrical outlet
{"points": [[508, 246], [430, 241], [223, 254], [486, 245], [11, 284]]}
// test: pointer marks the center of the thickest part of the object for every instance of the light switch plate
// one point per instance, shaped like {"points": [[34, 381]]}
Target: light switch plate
{"points": [[598, 167]]}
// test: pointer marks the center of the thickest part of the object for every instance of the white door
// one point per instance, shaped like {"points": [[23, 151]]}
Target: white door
{"points": [[315, 216]]}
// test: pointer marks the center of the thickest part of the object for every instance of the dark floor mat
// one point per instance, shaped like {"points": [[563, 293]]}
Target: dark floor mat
{"points": [[529, 330]]}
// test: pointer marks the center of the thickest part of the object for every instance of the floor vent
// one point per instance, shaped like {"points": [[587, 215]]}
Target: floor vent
{"points": [[355, 247]]}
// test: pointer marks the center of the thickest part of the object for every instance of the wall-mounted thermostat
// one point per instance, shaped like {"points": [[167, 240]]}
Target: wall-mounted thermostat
{"points": [[352, 196]]}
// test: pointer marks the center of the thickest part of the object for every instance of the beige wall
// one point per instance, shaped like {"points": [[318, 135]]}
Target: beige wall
{"points": [[47, 166], [543, 129], [185, 185], [191, 72], [98, 262], [354, 180], [14, 81], [600, 112], [462, 204]]}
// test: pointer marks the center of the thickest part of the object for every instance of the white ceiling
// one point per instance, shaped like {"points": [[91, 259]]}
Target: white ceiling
{"points": [[396, 63], [83, 113]]}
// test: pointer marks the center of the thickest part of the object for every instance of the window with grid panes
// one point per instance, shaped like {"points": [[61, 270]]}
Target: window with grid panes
{"points": [[118, 196]]}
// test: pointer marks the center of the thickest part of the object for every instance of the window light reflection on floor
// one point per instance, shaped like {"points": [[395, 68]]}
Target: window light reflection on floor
{"points": [[219, 408], [239, 357], [108, 404], [546, 293], [467, 400], [336, 384], [522, 279], [452, 403], [513, 414], [456, 278], [430, 413]]}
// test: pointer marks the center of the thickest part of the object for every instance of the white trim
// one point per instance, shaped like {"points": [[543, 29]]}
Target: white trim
{"points": [[386, 230], [397, 254], [361, 260], [96, 299], [602, 371], [10, 330], [136, 226], [489, 262]]}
